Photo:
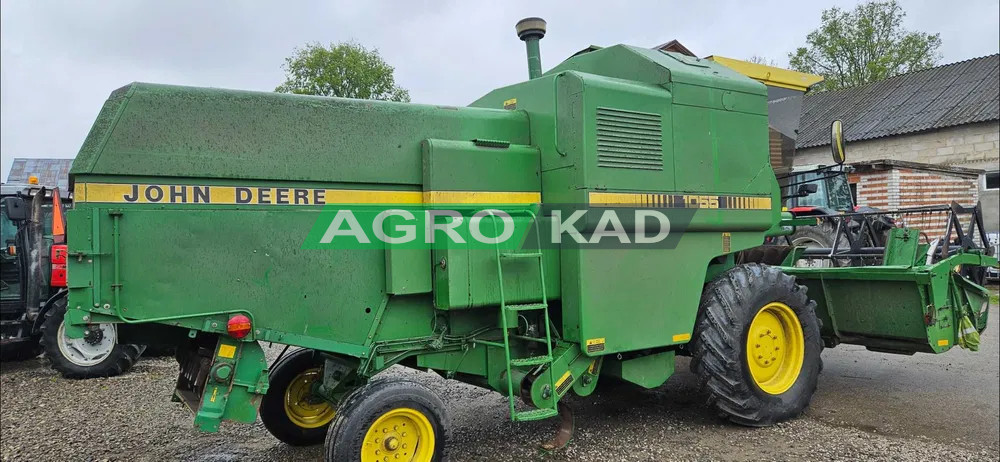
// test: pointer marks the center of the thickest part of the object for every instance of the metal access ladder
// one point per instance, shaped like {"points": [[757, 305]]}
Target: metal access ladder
{"points": [[510, 309]]}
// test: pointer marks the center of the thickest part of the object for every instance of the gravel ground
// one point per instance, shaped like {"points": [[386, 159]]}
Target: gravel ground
{"points": [[868, 406], [45, 417]]}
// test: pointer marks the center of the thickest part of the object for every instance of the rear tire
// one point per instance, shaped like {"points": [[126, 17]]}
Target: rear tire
{"points": [[79, 365], [286, 410], [401, 419], [737, 306]]}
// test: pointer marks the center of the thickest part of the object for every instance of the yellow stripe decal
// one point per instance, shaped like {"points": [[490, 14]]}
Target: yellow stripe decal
{"points": [[481, 197], [943, 342], [246, 195], [681, 201], [682, 337]]}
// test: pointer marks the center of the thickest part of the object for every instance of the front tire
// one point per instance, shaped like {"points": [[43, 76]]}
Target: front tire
{"points": [[757, 345], [389, 419], [99, 355], [290, 410]]}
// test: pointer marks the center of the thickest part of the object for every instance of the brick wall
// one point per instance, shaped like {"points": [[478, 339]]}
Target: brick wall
{"points": [[906, 188]]}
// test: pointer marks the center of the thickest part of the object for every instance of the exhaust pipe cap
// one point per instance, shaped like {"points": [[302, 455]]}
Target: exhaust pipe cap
{"points": [[530, 28]]}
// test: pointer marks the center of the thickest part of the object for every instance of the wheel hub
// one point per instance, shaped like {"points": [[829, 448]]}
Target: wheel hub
{"points": [[302, 406], [767, 348], [399, 435], [775, 348], [391, 443], [93, 336], [95, 346]]}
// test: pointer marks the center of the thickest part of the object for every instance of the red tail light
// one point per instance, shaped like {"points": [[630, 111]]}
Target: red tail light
{"points": [[58, 259], [238, 326]]}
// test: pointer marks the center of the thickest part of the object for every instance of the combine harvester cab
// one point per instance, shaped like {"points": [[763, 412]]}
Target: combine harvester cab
{"points": [[220, 220]]}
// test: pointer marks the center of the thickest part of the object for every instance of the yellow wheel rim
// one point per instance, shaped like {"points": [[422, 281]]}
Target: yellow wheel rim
{"points": [[302, 406], [775, 348], [401, 434]]}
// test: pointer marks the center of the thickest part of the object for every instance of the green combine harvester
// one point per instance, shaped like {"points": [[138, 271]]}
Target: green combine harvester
{"points": [[220, 220]]}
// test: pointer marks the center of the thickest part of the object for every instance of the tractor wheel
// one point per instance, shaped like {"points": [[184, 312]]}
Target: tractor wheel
{"points": [[389, 419], [756, 348], [820, 236], [290, 410], [97, 355]]}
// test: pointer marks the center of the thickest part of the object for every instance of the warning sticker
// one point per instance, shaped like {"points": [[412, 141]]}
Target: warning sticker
{"points": [[564, 382], [510, 104], [595, 345]]}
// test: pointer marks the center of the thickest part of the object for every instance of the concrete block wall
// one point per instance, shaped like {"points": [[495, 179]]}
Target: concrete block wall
{"points": [[971, 146]]}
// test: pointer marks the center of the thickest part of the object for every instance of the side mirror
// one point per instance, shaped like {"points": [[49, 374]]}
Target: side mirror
{"points": [[15, 208], [808, 189], [837, 142]]}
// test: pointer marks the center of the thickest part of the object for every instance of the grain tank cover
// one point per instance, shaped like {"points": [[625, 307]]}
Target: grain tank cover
{"points": [[186, 132]]}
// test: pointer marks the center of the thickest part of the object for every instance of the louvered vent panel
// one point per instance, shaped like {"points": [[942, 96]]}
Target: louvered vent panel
{"points": [[629, 139]]}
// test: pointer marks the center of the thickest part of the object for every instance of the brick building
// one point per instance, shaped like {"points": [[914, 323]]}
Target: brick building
{"points": [[947, 116]]}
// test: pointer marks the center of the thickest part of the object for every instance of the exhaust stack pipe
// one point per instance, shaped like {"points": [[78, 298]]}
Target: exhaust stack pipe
{"points": [[531, 30]]}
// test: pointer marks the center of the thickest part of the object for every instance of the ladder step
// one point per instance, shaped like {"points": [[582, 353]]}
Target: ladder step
{"points": [[526, 306], [531, 361], [535, 414], [521, 255]]}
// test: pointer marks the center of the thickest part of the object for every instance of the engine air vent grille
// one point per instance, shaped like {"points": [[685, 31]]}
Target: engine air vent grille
{"points": [[629, 139]]}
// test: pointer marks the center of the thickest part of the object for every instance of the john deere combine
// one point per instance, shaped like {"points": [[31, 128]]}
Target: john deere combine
{"points": [[218, 220]]}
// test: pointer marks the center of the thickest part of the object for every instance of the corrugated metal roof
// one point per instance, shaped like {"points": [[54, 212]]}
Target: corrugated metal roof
{"points": [[944, 96], [49, 171]]}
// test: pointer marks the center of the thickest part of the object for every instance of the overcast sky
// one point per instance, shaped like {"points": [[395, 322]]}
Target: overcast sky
{"points": [[60, 60]]}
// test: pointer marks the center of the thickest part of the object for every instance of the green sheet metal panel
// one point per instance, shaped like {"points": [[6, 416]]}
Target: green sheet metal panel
{"points": [[450, 165], [468, 277], [649, 371], [629, 299], [165, 130], [407, 270], [902, 247], [465, 276], [184, 261], [890, 309]]}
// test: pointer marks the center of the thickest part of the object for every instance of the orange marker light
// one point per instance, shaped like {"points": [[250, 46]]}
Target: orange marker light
{"points": [[58, 219]]}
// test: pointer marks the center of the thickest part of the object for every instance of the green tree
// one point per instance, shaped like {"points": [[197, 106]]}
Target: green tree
{"points": [[763, 60], [864, 45], [345, 69]]}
